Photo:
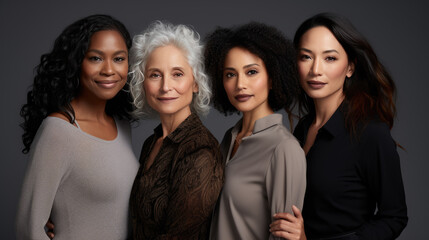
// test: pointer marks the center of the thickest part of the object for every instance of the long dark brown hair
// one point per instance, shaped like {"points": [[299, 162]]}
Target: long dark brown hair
{"points": [[370, 92]]}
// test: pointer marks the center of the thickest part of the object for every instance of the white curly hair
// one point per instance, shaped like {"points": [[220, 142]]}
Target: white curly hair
{"points": [[160, 34]]}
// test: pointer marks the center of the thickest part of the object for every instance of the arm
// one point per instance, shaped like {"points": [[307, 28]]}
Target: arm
{"points": [[286, 178], [197, 181], [45, 170], [381, 172]]}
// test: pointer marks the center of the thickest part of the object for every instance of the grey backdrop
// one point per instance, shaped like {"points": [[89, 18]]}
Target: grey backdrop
{"points": [[397, 31]]}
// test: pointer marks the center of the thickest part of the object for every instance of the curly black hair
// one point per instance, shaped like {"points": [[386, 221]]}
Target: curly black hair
{"points": [[268, 43], [56, 82]]}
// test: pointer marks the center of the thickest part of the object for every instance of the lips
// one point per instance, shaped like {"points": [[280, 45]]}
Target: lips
{"points": [[316, 84], [108, 84], [166, 99], [243, 97]]}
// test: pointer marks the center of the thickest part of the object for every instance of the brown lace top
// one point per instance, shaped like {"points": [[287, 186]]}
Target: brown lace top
{"points": [[175, 197]]}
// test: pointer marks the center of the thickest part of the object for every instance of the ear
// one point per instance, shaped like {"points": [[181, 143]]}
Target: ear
{"points": [[350, 69], [270, 84], [195, 87]]}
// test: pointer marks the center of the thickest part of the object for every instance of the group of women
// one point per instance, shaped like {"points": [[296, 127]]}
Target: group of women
{"points": [[341, 167]]}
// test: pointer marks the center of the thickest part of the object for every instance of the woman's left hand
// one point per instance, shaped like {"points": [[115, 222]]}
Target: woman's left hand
{"points": [[288, 226]]}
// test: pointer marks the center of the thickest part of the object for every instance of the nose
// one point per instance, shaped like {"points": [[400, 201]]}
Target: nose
{"points": [[107, 68], [317, 67], [241, 82], [165, 87]]}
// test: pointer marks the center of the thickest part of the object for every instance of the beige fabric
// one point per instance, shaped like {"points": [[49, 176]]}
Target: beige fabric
{"points": [[85, 181], [265, 176]]}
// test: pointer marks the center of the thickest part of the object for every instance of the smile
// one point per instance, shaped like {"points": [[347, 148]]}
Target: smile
{"points": [[166, 99], [108, 84]]}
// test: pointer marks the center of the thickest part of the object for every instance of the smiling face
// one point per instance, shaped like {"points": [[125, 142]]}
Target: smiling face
{"points": [[105, 66], [323, 65], [246, 81], [169, 82]]}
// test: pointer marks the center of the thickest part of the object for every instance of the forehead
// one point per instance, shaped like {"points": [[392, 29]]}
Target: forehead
{"points": [[168, 55], [320, 38], [241, 55], [108, 38]]}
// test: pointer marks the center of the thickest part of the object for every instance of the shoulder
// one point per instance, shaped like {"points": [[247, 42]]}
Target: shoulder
{"points": [[375, 131], [287, 146], [55, 127], [199, 136]]}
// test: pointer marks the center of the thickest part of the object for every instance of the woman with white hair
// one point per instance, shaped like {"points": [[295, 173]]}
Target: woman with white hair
{"points": [[181, 171]]}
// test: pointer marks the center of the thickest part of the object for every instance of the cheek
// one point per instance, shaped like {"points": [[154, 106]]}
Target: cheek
{"points": [[262, 85], [123, 70], [149, 88], [229, 88], [302, 70], [337, 73], [185, 87]]}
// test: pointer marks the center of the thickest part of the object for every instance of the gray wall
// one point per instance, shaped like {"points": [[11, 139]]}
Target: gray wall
{"points": [[397, 31]]}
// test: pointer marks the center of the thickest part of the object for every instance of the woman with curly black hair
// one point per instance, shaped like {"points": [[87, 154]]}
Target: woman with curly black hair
{"points": [[77, 133], [355, 188], [253, 68]]}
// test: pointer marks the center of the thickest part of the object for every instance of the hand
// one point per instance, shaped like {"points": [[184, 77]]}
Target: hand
{"points": [[288, 226], [50, 226]]}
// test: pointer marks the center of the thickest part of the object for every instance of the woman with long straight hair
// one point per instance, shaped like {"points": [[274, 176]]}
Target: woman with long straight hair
{"points": [[354, 182]]}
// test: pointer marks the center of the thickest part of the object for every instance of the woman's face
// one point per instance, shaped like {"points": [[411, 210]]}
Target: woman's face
{"points": [[169, 81], [322, 64], [246, 81], [105, 66]]}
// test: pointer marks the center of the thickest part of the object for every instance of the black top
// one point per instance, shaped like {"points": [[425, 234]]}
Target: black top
{"points": [[175, 197], [349, 177]]}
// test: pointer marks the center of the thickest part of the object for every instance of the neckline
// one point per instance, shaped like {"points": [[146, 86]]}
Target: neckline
{"points": [[78, 129]]}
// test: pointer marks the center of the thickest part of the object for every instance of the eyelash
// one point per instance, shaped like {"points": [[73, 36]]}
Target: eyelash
{"points": [[330, 59], [94, 58], [119, 59], [252, 72], [229, 75]]}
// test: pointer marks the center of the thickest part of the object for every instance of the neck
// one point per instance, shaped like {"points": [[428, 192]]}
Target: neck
{"points": [[325, 108], [170, 122], [249, 118], [89, 110]]}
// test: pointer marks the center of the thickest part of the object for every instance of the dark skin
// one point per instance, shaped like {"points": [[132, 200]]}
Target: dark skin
{"points": [[105, 60]]}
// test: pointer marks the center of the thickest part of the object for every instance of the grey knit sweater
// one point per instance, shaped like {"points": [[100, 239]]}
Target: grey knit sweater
{"points": [[81, 182]]}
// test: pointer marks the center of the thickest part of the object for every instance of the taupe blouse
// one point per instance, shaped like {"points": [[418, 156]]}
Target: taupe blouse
{"points": [[265, 176], [175, 197]]}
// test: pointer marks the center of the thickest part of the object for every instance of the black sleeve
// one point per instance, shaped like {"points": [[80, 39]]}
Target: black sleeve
{"points": [[382, 173]]}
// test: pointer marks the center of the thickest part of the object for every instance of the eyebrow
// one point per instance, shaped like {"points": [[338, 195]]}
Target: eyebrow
{"points": [[157, 69], [102, 53], [326, 51], [246, 66]]}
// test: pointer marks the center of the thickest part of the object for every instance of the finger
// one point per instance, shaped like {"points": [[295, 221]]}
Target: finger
{"points": [[50, 225], [284, 235], [296, 211], [280, 215], [286, 226], [279, 222], [51, 235]]}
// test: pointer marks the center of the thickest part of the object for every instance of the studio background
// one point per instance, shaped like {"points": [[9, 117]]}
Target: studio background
{"points": [[397, 30]]}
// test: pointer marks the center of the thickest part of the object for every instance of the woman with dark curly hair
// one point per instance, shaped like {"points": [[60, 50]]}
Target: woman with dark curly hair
{"points": [[77, 133], [253, 68], [354, 183]]}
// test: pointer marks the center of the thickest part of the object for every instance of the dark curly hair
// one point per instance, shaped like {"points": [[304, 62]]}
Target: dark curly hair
{"points": [[266, 42], [56, 82], [370, 91]]}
